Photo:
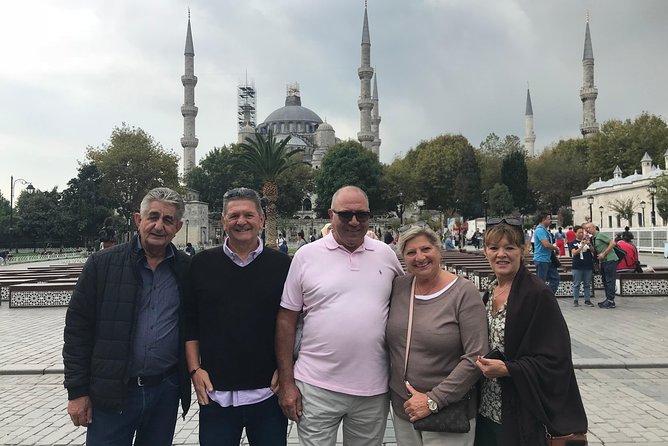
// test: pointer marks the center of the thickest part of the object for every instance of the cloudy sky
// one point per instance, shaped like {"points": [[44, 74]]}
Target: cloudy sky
{"points": [[75, 69]]}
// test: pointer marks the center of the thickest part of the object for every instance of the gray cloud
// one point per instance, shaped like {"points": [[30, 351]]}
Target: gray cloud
{"points": [[74, 72]]}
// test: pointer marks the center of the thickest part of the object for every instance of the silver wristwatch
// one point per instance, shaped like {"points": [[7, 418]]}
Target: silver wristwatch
{"points": [[431, 404]]}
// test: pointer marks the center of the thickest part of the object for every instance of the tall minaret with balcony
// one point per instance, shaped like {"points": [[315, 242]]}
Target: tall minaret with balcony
{"points": [[365, 103], [588, 92], [375, 117], [188, 110], [529, 135]]}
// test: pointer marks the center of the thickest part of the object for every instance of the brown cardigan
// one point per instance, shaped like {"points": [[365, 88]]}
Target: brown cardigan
{"points": [[542, 389], [449, 332]]}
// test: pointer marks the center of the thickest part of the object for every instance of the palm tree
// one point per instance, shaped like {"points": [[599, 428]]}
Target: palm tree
{"points": [[269, 159]]}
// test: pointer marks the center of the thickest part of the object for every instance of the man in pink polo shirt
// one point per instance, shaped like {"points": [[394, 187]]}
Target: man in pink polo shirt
{"points": [[342, 283]]}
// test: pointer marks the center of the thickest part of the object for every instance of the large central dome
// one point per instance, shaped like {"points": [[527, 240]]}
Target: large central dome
{"points": [[293, 118]]}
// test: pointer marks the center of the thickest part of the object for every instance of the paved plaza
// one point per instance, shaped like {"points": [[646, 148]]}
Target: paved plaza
{"points": [[621, 357]]}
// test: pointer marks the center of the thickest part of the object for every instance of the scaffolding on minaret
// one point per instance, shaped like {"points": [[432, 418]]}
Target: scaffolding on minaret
{"points": [[246, 104]]}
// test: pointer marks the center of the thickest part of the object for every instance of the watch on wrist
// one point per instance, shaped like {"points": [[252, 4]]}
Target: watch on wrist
{"points": [[431, 404]]}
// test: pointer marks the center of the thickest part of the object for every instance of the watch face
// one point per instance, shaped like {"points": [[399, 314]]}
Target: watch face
{"points": [[432, 405]]}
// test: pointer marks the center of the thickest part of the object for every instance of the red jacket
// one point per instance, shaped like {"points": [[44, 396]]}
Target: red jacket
{"points": [[628, 263]]}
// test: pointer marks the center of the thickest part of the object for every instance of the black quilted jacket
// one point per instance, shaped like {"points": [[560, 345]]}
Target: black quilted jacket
{"points": [[99, 326]]}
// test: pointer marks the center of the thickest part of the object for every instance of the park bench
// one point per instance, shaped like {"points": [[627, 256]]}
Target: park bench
{"points": [[642, 284]]}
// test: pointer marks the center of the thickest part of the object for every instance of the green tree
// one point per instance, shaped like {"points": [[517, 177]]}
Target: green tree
{"points": [[295, 185], [41, 218], [661, 196], [559, 173], [623, 144], [514, 174], [500, 200], [84, 204], [269, 160], [348, 163], [467, 184], [131, 164], [624, 207], [490, 155]]}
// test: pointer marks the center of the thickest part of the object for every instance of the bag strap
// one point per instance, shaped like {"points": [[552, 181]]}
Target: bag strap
{"points": [[410, 327]]}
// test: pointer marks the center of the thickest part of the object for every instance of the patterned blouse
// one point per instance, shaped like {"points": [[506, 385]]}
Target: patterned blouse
{"points": [[490, 404]]}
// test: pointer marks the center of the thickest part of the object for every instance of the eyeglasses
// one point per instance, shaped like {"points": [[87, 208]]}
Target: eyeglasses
{"points": [[506, 220], [346, 216], [241, 192]]}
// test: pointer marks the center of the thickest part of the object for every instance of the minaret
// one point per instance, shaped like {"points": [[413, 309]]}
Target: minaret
{"points": [[365, 72], [588, 92], [375, 117], [529, 135], [188, 109]]}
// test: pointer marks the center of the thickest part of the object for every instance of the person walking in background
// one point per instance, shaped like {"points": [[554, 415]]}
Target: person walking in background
{"points": [[108, 234], [342, 283], [189, 249], [583, 265], [603, 248], [282, 243], [124, 356], [542, 252], [300, 239], [559, 240]]}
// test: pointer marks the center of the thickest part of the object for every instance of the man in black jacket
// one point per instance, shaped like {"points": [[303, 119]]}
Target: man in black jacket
{"points": [[124, 351]]}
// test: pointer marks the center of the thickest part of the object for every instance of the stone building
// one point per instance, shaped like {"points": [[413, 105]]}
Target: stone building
{"points": [[599, 196]]}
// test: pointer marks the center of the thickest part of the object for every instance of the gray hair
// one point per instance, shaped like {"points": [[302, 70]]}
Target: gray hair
{"points": [[417, 231], [165, 195], [242, 193], [341, 189]]}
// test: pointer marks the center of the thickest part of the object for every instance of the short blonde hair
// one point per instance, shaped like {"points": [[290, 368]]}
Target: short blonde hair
{"points": [[417, 231]]}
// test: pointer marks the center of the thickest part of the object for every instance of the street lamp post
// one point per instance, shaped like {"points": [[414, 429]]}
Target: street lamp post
{"points": [[600, 209], [484, 204], [642, 206], [590, 200], [187, 224], [30, 190], [652, 192]]}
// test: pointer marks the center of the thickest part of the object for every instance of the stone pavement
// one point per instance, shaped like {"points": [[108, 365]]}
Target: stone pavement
{"points": [[621, 357]]}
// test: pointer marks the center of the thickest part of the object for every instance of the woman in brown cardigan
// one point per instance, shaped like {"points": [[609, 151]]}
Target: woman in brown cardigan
{"points": [[449, 332], [533, 389]]}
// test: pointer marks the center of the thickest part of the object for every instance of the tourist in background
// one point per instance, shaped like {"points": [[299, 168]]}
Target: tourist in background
{"points": [[583, 265], [543, 247], [532, 388], [300, 239], [189, 249], [449, 331], [282, 243], [604, 250], [560, 241], [629, 263]]}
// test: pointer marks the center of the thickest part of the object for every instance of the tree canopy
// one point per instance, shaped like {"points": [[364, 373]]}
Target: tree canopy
{"points": [[348, 163], [131, 164]]}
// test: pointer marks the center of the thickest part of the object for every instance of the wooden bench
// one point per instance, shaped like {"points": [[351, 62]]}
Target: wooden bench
{"points": [[642, 284]]}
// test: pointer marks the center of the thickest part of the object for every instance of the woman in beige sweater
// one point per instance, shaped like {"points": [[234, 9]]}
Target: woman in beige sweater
{"points": [[449, 332]]}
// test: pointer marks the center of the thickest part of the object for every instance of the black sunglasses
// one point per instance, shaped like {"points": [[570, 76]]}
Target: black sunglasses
{"points": [[240, 192], [506, 220], [346, 216]]}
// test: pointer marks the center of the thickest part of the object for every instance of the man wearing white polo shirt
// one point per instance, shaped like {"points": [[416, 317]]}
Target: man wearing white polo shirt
{"points": [[342, 283]]}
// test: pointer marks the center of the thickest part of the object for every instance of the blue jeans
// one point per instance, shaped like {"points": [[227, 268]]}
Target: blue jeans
{"points": [[150, 413], [582, 277], [609, 275], [264, 422], [548, 272]]}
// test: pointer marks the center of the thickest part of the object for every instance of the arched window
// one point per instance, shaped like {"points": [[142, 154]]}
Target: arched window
{"points": [[306, 205]]}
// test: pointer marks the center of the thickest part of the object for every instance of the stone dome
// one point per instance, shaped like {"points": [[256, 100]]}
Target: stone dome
{"points": [[293, 113], [325, 126]]}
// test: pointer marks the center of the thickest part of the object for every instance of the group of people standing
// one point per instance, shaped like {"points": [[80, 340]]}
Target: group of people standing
{"points": [[334, 336]]}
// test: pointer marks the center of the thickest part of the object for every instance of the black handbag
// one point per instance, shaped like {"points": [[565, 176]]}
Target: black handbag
{"points": [[453, 417], [620, 253], [555, 260]]}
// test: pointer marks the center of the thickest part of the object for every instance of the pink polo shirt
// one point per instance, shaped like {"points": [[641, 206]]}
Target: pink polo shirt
{"points": [[345, 297]]}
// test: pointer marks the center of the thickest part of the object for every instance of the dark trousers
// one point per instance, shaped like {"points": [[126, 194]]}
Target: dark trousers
{"points": [[222, 426], [609, 276], [549, 273], [487, 432], [150, 414]]}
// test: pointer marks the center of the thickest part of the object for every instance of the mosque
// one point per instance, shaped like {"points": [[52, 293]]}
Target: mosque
{"points": [[302, 125]]}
